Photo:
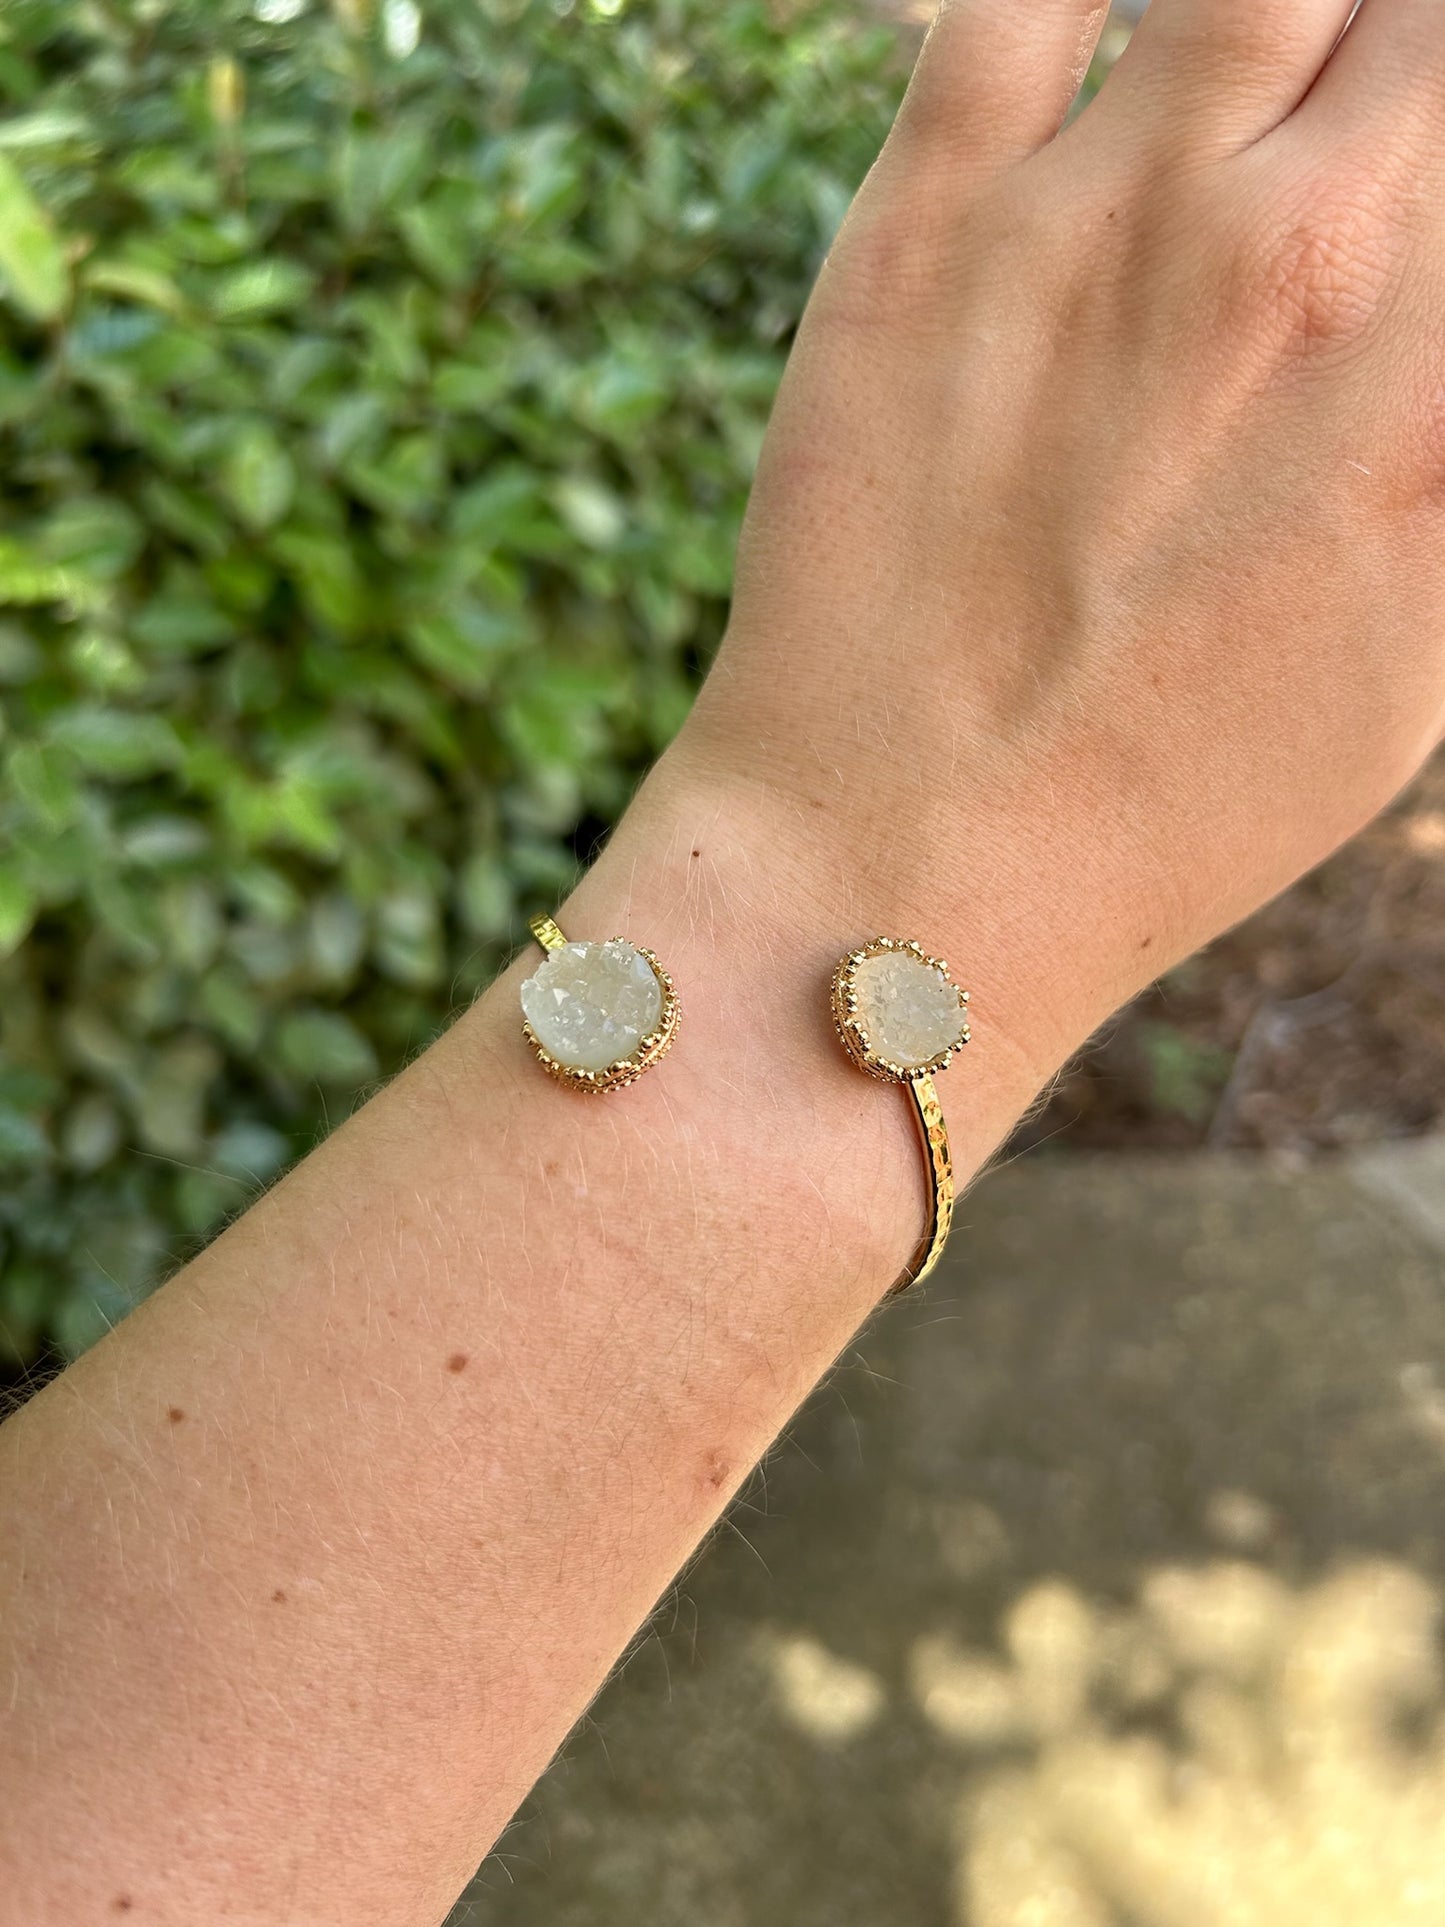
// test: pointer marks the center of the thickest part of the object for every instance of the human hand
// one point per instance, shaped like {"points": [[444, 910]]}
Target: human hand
{"points": [[1093, 586]]}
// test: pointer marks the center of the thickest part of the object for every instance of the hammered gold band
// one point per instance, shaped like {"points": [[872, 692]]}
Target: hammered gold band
{"points": [[900, 1017], [546, 933], [928, 1113]]}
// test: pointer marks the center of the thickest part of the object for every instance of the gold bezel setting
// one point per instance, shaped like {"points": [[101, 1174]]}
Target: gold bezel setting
{"points": [[850, 1028], [626, 1070]]}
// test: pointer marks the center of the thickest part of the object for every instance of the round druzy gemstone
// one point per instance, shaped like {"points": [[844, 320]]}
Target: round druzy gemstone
{"points": [[908, 1008], [591, 1004]]}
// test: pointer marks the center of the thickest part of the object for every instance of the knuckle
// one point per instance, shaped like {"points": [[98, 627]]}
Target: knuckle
{"points": [[1194, 73], [884, 269], [913, 258], [1242, 45], [1311, 280]]}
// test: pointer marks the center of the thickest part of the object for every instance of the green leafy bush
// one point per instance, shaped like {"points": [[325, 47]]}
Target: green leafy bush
{"points": [[377, 403]]}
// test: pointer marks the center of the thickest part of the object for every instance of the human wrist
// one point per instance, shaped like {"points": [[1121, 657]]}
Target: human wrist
{"points": [[749, 905], [974, 865], [698, 873]]}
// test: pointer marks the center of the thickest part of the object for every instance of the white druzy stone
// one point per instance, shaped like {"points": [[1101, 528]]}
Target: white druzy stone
{"points": [[910, 1011], [591, 1004]]}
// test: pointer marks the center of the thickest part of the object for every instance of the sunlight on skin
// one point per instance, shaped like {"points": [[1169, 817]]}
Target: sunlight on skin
{"points": [[1225, 1751]]}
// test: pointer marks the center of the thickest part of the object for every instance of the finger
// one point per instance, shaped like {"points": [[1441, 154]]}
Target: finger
{"points": [[996, 77], [1222, 72], [1389, 70]]}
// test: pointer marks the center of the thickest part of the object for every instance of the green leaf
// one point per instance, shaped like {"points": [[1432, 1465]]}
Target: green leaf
{"points": [[22, 1141], [93, 1042], [591, 511], [337, 937], [441, 243], [26, 1292], [324, 1047], [97, 536], [170, 1111], [408, 937], [43, 776], [20, 659], [464, 643], [91, 1133], [261, 288], [248, 1150], [408, 480], [205, 1199], [191, 918], [233, 1010], [509, 510], [46, 127], [117, 743], [548, 266], [32, 260], [27, 580], [353, 423], [258, 476], [484, 895], [187, 515], [624, 394], [157, 841], [87, 1313], [18, 905], [325, 573], [182, 618], [470, 386], [375, 171], [128, 281]]}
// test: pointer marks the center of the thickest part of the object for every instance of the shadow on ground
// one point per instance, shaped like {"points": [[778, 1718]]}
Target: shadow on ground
{"points": [[1097, 1589]]}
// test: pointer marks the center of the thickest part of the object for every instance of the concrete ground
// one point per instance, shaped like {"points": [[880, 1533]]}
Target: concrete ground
{"points": [[1095, 1589]]}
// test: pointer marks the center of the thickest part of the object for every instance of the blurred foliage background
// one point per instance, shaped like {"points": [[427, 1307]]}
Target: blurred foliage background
{"points": [[379, 391], [380, 385]]}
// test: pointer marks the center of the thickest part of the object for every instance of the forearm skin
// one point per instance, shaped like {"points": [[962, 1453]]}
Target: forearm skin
{"points": [[306, 1571]]}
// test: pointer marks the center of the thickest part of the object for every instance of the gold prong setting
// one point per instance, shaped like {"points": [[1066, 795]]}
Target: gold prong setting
{"points": [[852, 1029]]}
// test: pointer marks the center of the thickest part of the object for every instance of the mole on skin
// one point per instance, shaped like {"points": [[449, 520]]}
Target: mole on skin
{"points": [[175, 1414], [278, 1598], [457, 1362]]}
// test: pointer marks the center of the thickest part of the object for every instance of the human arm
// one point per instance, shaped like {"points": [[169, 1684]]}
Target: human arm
{"points": [[1092, 589]]}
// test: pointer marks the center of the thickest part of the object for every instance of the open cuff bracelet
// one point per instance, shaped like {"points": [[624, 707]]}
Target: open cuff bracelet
{"points": [[598, 1015]]}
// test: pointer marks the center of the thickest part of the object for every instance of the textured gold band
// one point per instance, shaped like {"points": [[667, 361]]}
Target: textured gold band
{"points": [[546, 933], [929, 1115]]}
